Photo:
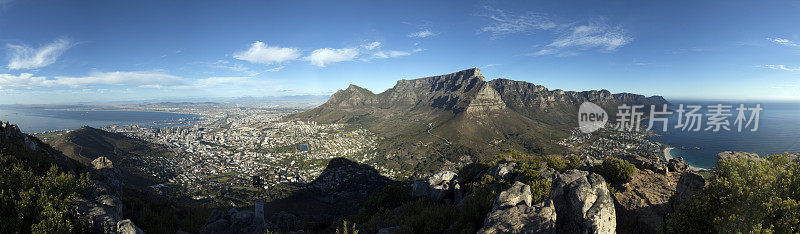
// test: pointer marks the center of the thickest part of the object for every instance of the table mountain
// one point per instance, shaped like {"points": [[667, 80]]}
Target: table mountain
{"points": [[458, 117]]}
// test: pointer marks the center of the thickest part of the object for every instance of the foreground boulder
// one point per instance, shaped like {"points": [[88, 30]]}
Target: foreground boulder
{"points": [[688, 184], [583, 203], [440, 186], [102, 206], [512, 213], [234, 221], [643, 202]]}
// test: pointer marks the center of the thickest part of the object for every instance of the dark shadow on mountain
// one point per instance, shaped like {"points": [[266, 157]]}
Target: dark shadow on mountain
{"points": [[340, 190]]}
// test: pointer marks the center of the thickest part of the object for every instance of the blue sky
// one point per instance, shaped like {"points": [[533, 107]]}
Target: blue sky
{"points": [[93, 51]]}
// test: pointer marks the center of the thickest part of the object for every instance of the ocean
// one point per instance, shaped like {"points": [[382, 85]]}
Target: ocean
{"points": [[778, 132], [31, 120]]}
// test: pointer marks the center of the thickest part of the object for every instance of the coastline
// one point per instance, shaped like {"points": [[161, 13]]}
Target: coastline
{"points": [[668, 156]]}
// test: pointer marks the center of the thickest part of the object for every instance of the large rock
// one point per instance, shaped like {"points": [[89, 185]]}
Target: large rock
{"points": [[689, 183], [502, 170], [438, 187], [583, 203], [519, 193], [441, 185], [677, 165], [512, 213], [127, 227], [285, 221], [219, 226], [642, 202]]}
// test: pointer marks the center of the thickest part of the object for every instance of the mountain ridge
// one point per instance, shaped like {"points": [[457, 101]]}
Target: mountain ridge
{"points": [[462, 113]]}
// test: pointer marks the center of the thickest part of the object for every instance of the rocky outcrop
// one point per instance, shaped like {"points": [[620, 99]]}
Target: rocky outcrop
{"points": [[677, 165], [688, 184], [102, 205], [512, 213], [127, 227], [502, 170], [234, 221], [583, 203], [438, 187], [643, 202]]}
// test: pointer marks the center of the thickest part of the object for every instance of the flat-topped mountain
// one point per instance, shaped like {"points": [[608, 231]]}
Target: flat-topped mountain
{"points": [[461, 116]]}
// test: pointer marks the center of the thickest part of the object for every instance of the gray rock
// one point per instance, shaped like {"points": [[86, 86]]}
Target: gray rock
{"points": [[219, 226], [242, 218], [583, 203], [541, 218], [419, 189], [677, 165], [214, 216], [102, 163], [127, 227], [231, 211], [689, 183], [285, 221], [112, 202], [502, 170], [518, 193], [441, 185]]}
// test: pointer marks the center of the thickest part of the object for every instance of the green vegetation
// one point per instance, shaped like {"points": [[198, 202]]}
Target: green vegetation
{"points": [[616, 170], [345, 229], [33, 201], [744, 196]]}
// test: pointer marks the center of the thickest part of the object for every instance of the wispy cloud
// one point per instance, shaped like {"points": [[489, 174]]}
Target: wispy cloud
{"points": [[596, 35], [390, 54], [781, 67], [326, 56], [260, 52], [372, 45], [423, 34], [26, 57], [783, 41], [503, 23]]}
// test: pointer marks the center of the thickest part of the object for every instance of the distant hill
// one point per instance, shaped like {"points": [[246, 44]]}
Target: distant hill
{"points": [[87, 143], [458, 117]]}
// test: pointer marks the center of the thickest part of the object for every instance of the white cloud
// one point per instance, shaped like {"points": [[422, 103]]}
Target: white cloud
{"points": [[140, 79], [422, 34], [783, 41], [390, 54], [504, 23], [371, 46], [260, 52], [325, 56], [782, 67], [274, 69], [594, 35], [26, 57], [134, 78]]}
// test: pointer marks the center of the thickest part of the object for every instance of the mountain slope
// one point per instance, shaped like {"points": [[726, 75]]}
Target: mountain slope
{"points": [[460, 117], [87, 144]]}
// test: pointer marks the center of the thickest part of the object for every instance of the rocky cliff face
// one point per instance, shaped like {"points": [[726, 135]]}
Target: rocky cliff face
{"points": [[426, 116]]}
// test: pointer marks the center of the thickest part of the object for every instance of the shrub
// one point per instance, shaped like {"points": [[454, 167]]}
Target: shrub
{"points": [[527, 173], [744, 196], [574, 162], [616, 170]]}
